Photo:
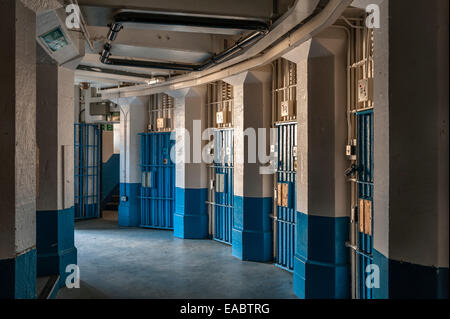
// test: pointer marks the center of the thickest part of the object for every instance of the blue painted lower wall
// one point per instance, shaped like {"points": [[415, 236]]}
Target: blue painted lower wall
{"points": [[18, 276], [191, 215], [252, 229], [403, 280], [130, 211], [321, 261], [110, 178], [55, 242]]}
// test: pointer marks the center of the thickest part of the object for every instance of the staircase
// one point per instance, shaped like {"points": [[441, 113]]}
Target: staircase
{"points": [[113, 204]]}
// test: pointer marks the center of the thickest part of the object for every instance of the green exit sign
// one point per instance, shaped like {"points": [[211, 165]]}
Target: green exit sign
{"points": [[108, 127]]}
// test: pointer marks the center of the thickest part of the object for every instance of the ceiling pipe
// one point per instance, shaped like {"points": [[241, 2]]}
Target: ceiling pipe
{"points": [[270, 48], [149, 18], [259, 27]]}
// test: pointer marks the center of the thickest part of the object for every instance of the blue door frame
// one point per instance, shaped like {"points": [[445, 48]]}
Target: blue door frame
{"points": [[157, 196], [365, 155], [223, 194], [286, 177], [87, 156]]}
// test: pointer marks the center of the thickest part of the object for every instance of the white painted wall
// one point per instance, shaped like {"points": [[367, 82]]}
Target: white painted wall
{"points": [[17, 130], [190, 105], [108, 145], [133, 120], [322, 132], [65, 157], [251, 109]]}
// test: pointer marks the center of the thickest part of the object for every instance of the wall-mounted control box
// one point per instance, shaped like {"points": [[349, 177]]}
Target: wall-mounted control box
{"points": [[287, 108], [365, 90], [220, 183], [147, 179], [161, 123], [223, 117], [283, 195], [99, 108], [350, 150], [220, 117]]}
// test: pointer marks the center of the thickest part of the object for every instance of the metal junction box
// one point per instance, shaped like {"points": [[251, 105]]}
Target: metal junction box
{"points": [[161, 123], [220, 183], [287, 108], [223, 117], [99, 108], [365, 90]]}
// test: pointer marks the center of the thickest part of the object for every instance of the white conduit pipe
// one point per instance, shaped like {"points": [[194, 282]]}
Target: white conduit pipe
{"points": [[322, 20]]}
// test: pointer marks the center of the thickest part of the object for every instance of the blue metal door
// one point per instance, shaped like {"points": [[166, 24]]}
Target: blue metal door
{"points": [[157, 181], [223, 193], [286, 175], [87, 155], [365, 200]]}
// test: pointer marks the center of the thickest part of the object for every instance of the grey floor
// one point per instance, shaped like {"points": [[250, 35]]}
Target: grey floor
{"points": [[141, 263]]}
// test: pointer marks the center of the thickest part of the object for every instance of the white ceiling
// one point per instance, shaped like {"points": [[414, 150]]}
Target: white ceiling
{"points": [[173, 45]]}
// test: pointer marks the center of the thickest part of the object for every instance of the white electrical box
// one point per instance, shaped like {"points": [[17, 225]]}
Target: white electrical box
{"points": [[161, 123], [287, 108], [222, 117], [348, 150], [220, 183], [219, 118], [365, 90], [147, 179]]}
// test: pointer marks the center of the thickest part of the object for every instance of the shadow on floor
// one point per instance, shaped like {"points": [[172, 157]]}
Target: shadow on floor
{"points": [[120, 262]]}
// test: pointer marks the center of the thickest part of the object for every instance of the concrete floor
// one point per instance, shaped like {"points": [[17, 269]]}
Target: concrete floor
{"points": [[140, 263]]}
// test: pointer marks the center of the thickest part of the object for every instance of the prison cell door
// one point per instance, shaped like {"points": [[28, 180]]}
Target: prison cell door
{"points": [[157, 181], [365, 201], [87, 156], [221, 190], [285, 195]]}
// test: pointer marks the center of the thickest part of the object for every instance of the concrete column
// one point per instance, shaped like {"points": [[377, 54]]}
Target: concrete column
{"points": [[191, 194], [133, 120], [411, 150], [252, 227], [321, 261], [17, 151], [55, 140]]}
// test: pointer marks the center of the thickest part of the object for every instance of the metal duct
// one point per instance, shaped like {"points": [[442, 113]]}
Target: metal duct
{"points": [[259, 27]]}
